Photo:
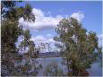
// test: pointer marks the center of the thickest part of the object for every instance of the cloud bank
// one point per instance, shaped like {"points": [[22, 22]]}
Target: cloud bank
{"points": [[46, 22], [42, 21]]}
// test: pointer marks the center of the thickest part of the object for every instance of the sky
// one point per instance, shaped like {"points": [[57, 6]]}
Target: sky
{"points": [[49, 13]]}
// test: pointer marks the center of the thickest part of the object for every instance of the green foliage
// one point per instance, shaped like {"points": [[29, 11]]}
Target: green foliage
{"points": [[10, 31], [9, 10], [79, 47], [9, 34], [28, 13]]}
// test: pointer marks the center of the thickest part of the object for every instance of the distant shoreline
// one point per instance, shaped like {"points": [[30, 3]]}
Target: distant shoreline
{"points": [[49, 55]]}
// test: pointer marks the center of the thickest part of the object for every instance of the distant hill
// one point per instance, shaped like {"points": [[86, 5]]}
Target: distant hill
{"points": [[49, 54]]}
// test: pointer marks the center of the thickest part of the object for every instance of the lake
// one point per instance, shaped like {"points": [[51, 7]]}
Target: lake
{"points": [[95, 70]]}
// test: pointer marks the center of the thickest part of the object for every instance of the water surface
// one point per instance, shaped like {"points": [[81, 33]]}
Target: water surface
{"points": [[95, 70]]}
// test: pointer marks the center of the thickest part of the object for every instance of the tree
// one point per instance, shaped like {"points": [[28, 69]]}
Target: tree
{"points": [[10, 31], [9, 34], [79, 46], [31, 54]]}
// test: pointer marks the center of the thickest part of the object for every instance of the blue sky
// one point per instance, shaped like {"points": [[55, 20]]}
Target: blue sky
{"points": [[89, 13], [91, 9]]}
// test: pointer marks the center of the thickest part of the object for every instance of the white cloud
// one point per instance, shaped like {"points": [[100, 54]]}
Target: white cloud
{"points": [[46, 22], [41, 22], [78, 15], [38, 13], [43, 39], [46, 44], [39, 38]]}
